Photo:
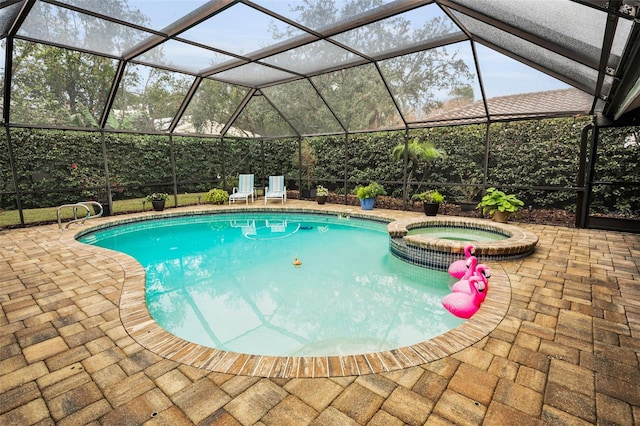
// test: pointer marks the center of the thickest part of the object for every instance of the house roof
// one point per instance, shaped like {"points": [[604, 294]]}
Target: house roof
{"points": [[565, 102]]}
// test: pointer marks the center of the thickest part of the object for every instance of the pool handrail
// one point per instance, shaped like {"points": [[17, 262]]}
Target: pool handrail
{"points": [[75, 206]]}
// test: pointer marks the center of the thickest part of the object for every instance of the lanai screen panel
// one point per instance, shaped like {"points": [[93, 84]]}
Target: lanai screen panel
{"points": [[566, 24], [183, 57], [622, 37], [428, 83], [253, 75], [301, 105], [422, 26], [359, 98], [313, 58], [241, 30], [148, 99], [323, 16], [503, 75], [260, 119], [516, 90], [56, 86], [52, 24], [211, 108], [7, 16], [155, 15], [580, 75]]}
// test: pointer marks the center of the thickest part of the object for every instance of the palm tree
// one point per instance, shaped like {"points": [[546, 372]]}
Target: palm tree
{"points": [[418, 152]]}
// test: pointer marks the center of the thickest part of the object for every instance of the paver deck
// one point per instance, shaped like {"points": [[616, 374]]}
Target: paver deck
{"points": [[566, 351]]}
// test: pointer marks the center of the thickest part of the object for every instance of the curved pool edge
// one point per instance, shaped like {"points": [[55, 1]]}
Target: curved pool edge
{"points": [[142, 328]]}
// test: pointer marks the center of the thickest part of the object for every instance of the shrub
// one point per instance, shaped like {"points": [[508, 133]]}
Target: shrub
{"points": [[370, 191], [216, 196], [322, 191], [496, 200], [157, 196], [429, 197]]}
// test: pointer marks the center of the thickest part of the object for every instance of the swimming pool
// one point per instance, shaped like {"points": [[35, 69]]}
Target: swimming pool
{"points": [[228, 282]]}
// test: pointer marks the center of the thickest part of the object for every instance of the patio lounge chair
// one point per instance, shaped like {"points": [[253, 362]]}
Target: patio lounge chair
{"points": [[244, 190], [276, 189]]}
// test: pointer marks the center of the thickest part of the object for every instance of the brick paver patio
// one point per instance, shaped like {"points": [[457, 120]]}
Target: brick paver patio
{"points": [[566, 352]]}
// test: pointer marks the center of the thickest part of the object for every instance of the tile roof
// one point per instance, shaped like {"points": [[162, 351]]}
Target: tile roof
{"points": [[563, 102]]}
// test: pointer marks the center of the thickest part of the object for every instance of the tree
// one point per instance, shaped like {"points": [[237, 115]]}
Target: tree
{"points": [[54, 85], [58, 86], [358, 96], [213, 105], [149, 97], [418, 152]]}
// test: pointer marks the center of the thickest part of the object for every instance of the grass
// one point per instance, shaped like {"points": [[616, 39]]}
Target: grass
{"points": [[48, 214]]}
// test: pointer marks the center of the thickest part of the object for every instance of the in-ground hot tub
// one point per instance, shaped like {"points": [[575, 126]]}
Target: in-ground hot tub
{"points": [[436, 250]]}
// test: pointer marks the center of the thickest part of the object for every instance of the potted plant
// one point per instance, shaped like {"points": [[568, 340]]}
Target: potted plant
{"points": [[469, 192], [499, 205], [431, 201], [321, 194], [216, 196], [158, 200], [367, 194]]}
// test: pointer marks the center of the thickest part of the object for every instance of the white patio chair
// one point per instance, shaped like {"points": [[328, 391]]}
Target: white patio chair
{"points": [[276, 189], [244, 190]]}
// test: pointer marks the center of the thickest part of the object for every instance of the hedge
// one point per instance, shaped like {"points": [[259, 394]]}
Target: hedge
{"points": [[537, 160]]}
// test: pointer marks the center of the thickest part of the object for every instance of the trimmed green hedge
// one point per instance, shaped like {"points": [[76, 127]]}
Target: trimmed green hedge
{"points": [[524, 154]]}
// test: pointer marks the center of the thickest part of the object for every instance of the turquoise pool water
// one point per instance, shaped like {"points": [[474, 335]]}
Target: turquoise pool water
{"points": [[229, 282], [457, 233]]}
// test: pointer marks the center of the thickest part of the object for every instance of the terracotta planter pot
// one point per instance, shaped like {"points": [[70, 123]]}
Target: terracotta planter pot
{"points": [[501, 217]]}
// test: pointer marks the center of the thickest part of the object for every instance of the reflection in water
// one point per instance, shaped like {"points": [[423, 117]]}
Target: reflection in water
{"points": [[231, 285]]}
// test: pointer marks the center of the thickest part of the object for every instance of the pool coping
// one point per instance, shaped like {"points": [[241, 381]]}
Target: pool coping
{"points": [[143, 329], [519, 241]]}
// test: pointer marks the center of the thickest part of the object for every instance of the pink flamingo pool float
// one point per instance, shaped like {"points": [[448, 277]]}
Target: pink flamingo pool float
{"points": [[470, 291], [458, 268], [463, 304], [483, 273]]}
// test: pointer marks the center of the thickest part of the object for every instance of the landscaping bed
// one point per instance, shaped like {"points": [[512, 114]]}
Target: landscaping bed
{"points": [[543, 216]]}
